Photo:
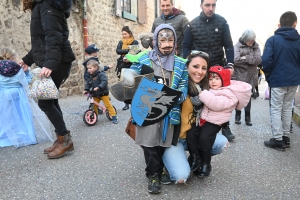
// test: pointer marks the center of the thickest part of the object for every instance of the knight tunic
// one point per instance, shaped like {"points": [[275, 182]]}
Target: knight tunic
{"points": [[150, 136]]}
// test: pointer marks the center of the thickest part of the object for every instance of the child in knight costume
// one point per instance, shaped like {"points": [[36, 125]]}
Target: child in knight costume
{"points": [[169, 70]]}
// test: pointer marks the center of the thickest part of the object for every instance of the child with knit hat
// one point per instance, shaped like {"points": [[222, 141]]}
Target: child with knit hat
{"points": [[219, 101]]}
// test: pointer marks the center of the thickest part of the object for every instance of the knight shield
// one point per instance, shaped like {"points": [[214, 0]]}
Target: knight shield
{"points": [[152, 102]]}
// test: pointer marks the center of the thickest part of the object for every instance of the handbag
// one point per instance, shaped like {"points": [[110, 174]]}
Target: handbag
{"points": [[43, 89], [130, 129]]}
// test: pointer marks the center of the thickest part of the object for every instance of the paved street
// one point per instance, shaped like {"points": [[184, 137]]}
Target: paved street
{"points": [[106, 164]]}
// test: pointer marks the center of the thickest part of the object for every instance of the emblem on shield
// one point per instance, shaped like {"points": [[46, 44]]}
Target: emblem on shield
{"points": [[152, 102]]}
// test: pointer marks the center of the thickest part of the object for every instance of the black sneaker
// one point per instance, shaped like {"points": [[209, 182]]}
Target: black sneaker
{"points": [[165, 178], [227, 133], [100, 112], [275, 144], [286, 141], [154, 184]]}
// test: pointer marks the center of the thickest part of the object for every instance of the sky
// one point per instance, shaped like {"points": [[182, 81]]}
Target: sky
{"points": [[262, 16]]}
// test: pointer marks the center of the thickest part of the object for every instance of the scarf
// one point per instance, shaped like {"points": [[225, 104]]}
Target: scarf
{"points": [[127, 42], [167, 61]]}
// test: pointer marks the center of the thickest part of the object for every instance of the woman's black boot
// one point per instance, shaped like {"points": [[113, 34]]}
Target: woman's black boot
{"points": [[196, 162], [205, 166], [248, 118], [238, 116]]}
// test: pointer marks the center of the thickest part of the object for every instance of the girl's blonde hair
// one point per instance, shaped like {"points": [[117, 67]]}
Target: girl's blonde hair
{"points": [[7, 53]]}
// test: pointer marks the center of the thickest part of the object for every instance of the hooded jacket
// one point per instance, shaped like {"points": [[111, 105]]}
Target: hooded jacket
{"points": [[98, 79], [219, 104], [246, 69], [49, 34], [178, 21], [281, 58]]}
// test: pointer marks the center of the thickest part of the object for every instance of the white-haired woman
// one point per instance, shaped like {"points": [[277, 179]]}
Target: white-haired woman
{"points": [[247, 56]]}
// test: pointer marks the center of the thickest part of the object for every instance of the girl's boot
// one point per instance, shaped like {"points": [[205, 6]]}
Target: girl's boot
{"points": [[196, 162], [205, 165]]}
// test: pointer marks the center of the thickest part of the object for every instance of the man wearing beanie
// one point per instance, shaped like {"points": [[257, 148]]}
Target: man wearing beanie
{"points": [[210, 33]]}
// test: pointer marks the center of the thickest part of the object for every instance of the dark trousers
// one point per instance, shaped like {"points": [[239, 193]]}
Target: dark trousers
{"points": [[203, 137], [51, 107], [153, 158]]}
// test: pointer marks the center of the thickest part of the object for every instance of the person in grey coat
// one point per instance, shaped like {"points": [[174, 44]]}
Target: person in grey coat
{"points": [[247, 56], [175, 18]]}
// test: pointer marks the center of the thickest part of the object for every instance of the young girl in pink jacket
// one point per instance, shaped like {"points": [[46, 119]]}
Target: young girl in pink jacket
{"points": [[219, 101]]}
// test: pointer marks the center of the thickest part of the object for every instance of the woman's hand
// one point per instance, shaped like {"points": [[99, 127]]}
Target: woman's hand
{"points": [[96, 89], [45, 72]]}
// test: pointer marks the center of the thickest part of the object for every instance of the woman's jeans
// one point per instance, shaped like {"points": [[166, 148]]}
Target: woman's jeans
{"points": [[176, 162], [51, 107]]}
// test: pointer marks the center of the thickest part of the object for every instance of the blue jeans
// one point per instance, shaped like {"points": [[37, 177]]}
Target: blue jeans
{"points": [[176, 162]]}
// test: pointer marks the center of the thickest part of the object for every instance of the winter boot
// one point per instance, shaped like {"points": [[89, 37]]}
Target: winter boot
{"points": [[64, 144], [49, 149], [196, 162], [205, 165], [238, 116], [227, 132], [248, 118], [126, 107]]}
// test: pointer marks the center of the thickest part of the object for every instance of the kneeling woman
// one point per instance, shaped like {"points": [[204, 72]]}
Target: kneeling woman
{"points": [[174, 157]]}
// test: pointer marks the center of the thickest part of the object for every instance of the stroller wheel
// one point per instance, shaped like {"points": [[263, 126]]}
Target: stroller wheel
{"points": [[107, 113], [90, 118]]}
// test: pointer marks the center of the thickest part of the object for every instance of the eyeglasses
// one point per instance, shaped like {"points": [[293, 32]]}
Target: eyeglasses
{"points": [[196, 52]]}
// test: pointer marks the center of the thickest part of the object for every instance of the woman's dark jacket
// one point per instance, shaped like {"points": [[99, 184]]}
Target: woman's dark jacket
{"points": [[98, 79], [121, 51], [49, 34]]}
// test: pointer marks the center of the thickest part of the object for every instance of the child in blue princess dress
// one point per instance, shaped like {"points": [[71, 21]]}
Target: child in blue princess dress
{"points": [[22, 123]]}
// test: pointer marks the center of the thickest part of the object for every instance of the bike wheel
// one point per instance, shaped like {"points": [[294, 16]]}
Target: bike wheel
{"points": [[107, 113], [90, 118]]}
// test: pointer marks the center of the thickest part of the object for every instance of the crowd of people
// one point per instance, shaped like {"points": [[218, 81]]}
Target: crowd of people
{"points": [[196, 58]]}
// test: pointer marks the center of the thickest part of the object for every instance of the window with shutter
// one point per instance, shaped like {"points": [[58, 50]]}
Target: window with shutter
{"points": [[126, 9], [142, 11]]}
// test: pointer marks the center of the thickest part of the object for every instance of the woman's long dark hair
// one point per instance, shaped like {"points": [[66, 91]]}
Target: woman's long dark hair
{"points": [[192, 90], [27, 5]]}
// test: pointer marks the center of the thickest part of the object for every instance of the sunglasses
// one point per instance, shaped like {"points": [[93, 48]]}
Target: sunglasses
{"points": [[196, 52]]}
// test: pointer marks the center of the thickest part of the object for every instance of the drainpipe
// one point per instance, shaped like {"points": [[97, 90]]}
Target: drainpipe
{"points": [[85, 28]]}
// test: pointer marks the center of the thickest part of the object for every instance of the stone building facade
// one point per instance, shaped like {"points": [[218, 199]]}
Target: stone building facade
{"points": [[105, 19]]}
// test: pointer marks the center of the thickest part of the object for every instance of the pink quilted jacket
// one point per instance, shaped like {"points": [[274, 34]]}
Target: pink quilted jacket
{"points": [[219, 104]]}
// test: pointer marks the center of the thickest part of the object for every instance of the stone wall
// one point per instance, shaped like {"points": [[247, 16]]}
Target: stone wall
{"points": [[103, 26]]}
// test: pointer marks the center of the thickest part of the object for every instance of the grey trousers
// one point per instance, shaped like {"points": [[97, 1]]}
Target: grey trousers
{"points": [[281, 102]]}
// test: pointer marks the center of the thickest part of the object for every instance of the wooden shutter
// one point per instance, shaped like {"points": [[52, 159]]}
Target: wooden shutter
{"points": [[118, 8], [134, 9], [142, 11]]}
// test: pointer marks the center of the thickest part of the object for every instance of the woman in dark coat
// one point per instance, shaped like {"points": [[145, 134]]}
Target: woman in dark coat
{"points": [[51, 51], [122, 50]]}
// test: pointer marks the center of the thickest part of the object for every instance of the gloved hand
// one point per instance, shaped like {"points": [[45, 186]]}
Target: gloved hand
{"points": [[196, 101]]}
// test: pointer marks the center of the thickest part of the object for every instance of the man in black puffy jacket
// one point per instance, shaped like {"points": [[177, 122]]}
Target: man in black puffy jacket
{"points": [[51, 51], [210, 33]]}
